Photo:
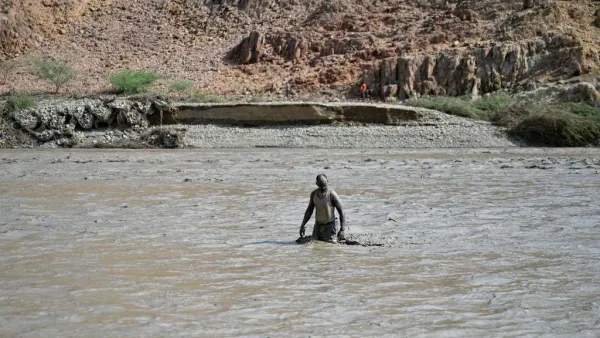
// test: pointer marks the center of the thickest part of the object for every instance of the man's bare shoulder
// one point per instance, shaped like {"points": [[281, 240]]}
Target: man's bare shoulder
{"points": [[334, 197]]}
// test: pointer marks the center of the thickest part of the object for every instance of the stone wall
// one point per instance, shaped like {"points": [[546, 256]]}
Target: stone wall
{"points": [[61, 119]]}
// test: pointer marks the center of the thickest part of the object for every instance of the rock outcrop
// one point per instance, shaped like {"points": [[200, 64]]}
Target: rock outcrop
{"points": [[61, 120], [585, 92], [248, 51], [457, 72]]}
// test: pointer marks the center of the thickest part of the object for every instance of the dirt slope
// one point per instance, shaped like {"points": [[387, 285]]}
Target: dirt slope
{"points": [[315, 45]]}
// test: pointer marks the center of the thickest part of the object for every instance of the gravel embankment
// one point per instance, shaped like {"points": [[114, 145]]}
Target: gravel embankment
{"points": [[447, 132], [426, 129]]}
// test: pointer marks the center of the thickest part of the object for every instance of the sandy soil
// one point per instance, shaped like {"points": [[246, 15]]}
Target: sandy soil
{"points": [[477, 242]]}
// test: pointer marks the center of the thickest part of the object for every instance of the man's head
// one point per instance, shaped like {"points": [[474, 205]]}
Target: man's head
{"points": [[322, 181]]}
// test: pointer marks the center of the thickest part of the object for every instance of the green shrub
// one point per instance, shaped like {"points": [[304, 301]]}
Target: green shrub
{"points": [[19, 102], [558, 125], [450, 105], [494, 102], [512, 115], [131, 82], [559, 129], [581, 109], [55, 72], [182, 86]]}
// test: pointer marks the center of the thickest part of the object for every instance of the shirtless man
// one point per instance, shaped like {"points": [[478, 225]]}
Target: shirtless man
{"points": [[324, 199]]}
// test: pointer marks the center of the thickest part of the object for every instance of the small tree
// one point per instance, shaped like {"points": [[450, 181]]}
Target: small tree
{"points": [[56, 72]]}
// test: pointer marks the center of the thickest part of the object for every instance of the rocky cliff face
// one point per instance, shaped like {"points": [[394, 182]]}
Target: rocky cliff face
{"points": [[399, 47], [480, 69], [530, 42]]}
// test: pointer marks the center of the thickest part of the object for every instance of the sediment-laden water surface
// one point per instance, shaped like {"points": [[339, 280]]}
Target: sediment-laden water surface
{"points": [[479, 242]]}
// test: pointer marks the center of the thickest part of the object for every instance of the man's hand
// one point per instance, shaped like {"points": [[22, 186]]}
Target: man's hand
{"points": [[302, 231], [341, 235]]}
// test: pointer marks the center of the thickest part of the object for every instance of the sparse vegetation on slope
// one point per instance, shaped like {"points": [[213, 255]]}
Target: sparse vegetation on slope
{"points": [[20, 101], [132, 82], [56, 72], [182, 86]]}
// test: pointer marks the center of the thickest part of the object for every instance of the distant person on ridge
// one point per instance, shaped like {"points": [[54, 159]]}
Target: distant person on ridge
{"points": [[363, 91], [324, 199]]}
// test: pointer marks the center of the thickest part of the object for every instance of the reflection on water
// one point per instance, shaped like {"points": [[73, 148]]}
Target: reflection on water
{"points": [[200, 243]]}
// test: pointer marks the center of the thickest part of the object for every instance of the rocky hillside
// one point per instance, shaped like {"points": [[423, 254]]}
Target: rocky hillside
{"points": [[246, 47]]}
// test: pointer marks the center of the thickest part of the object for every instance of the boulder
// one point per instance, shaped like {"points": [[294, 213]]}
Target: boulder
{"points": [[101, 113], [133, 118], [248, 51], [85, 120], [56, 121], [290, 47], [165, 138], [75, 111], [580, 92], [389, 91], [45, 136], [26, 119]]}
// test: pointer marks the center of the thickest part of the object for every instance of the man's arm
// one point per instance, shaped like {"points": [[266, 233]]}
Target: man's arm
{"points": [[335, 200], [307, 214]]}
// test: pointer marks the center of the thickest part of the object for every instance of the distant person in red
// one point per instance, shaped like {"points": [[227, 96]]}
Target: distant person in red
{"points": [[363, 91]]}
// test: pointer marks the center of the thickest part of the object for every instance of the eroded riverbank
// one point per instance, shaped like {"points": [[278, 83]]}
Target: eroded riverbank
{"points": [[490, 242], [111, 122]]}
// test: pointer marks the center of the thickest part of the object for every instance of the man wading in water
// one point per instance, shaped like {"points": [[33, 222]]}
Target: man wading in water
{"points": [[324, 199]]}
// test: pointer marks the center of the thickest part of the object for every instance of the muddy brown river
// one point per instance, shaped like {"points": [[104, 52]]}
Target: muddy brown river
{"points": [[477, 242]]}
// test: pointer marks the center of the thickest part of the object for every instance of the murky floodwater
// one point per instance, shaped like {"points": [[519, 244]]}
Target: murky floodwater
{"points": [[200, 243]]}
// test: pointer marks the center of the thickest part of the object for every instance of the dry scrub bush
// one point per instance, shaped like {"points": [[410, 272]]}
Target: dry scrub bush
{"points": [[56, 72]]}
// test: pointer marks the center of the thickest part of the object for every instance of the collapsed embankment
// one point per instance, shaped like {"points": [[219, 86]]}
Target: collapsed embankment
{"points": [[153, 122]]}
